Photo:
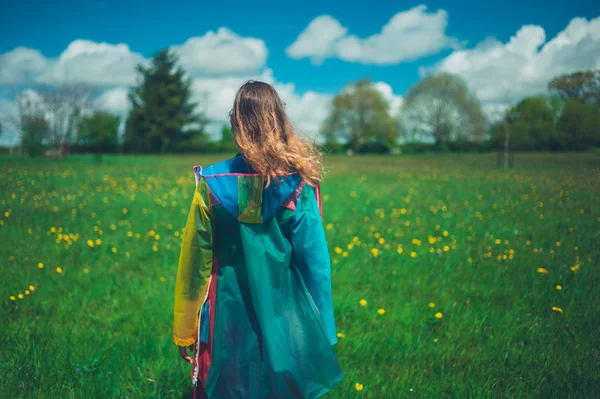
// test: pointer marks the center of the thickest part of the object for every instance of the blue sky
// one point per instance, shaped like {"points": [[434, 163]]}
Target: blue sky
{"points": [[460, 43]]}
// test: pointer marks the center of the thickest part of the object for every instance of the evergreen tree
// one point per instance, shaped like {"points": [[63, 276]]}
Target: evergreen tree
{"points": [[162, 115]]}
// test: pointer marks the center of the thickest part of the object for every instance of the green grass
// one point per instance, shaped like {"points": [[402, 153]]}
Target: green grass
{"points": [[102, 327]]}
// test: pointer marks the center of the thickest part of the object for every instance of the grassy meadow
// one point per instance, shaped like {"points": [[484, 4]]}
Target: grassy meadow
{"points": [[452, 278]]}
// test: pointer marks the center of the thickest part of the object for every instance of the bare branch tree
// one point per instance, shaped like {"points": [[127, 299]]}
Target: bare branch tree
{"points": [[64, 105]]}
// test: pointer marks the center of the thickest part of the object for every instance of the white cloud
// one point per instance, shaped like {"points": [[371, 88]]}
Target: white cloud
{"points": [[100, 64], [500, 72], [394, 100], [114, 101], [408, 35], [21, 65], [222, 53]]}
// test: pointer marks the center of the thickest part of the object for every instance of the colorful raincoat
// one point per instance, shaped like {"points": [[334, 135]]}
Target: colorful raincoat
{"points": [[253, 289]]}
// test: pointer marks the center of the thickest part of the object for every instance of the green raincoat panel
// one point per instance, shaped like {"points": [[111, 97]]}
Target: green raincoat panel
{"points": [[254, 287]]}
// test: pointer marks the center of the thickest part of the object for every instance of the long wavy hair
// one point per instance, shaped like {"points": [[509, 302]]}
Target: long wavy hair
{"points": [[266, 138]]}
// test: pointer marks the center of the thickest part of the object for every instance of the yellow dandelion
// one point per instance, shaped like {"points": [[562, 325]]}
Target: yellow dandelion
{"points": [[114, 250], [12, 298], [350, 246], [90, 243], [413, 254], [374, 252], [124, 211], [31, 288], [20, 296], [381, 240], [559, 287], [340, 335], [439, 315], [542, 270], [162, 278], [329, 226], [446, 248], [381, 310], [59, 270], [345, 254], [27, 292], [41, 265], [358, 386], [338, 250], [557, 309], [400, 250], [362, 302], [86, 270], [575, 267], [98, 241], [431, 305], [498, 241]]}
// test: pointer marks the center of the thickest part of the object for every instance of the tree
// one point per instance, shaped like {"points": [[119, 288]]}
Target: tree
{"points": [[579, 125], [35, 130], [162, 115], [583, 86], [64, 106], [531, 123], [99, 132], [360, 114], [441, 109], [227, 140], [26, 102]]}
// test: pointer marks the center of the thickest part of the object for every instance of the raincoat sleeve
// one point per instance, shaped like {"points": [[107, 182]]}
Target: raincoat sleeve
{"points": [[312, 257], [194, 267]]}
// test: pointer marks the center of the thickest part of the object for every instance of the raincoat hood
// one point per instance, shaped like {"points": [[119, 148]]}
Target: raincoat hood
{"points": [[242, 193]]}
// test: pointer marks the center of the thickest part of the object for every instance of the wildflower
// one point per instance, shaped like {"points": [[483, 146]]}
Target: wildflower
{"points": [[439, 315], [498, 241], [358, 386], [374, 252], [557, 309], [31, 288], [20, 296], [124, 211], [350, 246], [431, 305], [413, 254], [381, 310], [59, 270], [542, 270], [445, 233], [338, 250], [400, 249], [340, 335], [114, 250], [90, 243], [559, 287], [469, 260], [162, 278], [329, 226], [86, 270], [558, 243], [98, 241], [41, 265], [446, 248], [362, 302], [345, 254], [12, 298], [575, 267], [27, 292]]}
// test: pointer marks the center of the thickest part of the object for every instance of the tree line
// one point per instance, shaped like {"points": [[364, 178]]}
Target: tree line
{"points": [[439, 113]]}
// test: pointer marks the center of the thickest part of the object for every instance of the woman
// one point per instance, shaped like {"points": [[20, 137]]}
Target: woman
{"points": [[253, 291]]}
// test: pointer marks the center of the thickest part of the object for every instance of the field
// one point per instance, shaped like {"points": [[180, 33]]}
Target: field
{"points": [[451, 277]]}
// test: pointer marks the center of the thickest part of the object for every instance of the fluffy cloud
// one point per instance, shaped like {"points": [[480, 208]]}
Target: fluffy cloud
{"points": [[21, 66], [222, 53], [505, 72], [408, 35], [83, 61]]}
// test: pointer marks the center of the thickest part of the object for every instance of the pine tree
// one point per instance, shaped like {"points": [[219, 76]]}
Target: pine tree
{"points": [[162, 115]]}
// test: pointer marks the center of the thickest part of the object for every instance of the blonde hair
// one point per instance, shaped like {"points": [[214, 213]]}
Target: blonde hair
{"points": [[266, 138]]}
